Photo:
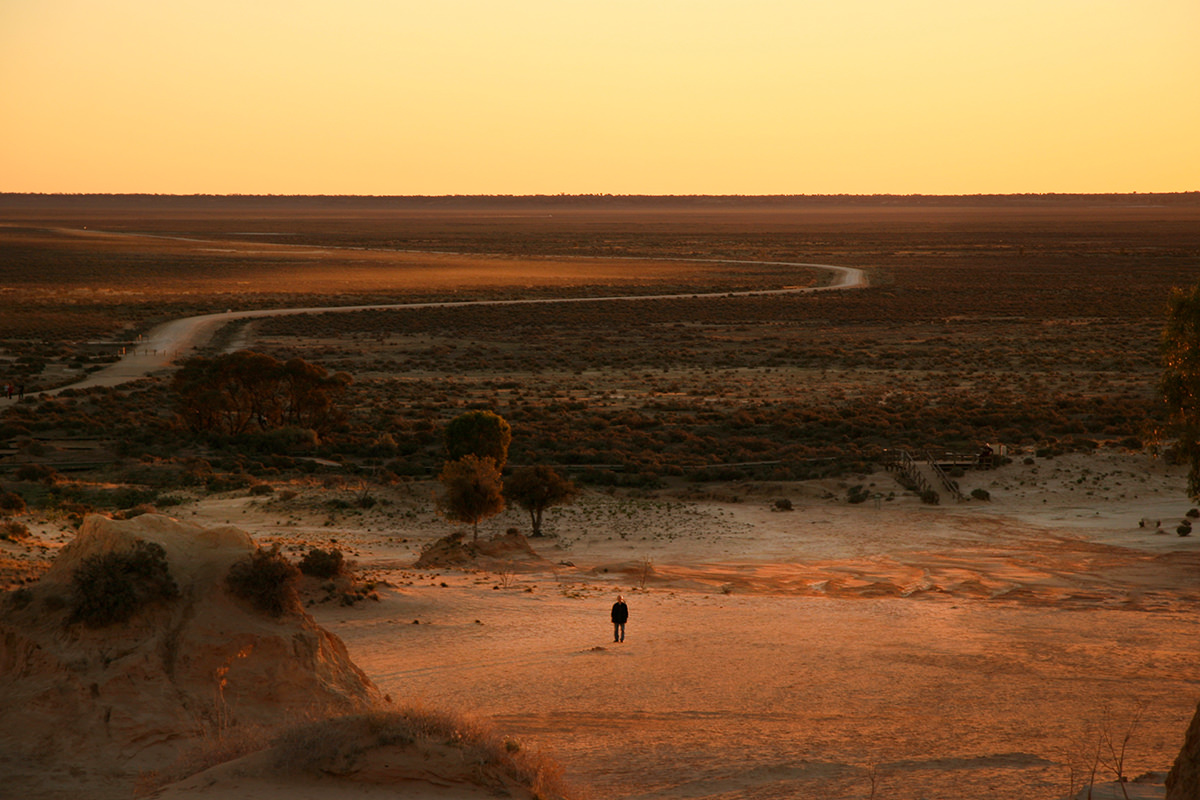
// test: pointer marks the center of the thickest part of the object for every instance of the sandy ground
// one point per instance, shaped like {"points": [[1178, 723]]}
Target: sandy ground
{"points": [[911, 651]]}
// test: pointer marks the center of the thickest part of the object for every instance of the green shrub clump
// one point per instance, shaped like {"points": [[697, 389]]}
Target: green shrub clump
{"points": [[266, 580], [108, 588], [930, 497], [323, 563], [981, 494]]}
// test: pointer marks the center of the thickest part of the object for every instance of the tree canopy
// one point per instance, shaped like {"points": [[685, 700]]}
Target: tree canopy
{"points": [[473, 491], [240, 392], [479, 433], [537, 488], [1180, 383]]}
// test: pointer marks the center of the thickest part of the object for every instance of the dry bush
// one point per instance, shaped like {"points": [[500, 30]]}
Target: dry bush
{"points": [[11, 503], [266, 580], [109, 588], [37, 472], [336, 745], [213, 749], [12, 530], [318, 563]]}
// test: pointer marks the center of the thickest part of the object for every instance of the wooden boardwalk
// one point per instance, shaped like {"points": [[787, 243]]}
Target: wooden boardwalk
{"points": [[915, 474]]}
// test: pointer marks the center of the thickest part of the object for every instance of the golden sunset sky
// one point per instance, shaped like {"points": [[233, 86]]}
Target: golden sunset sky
{"points": [[580, 96]]}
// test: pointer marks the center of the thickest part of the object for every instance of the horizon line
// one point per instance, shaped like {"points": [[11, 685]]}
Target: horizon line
{"points": [[592, 195]]}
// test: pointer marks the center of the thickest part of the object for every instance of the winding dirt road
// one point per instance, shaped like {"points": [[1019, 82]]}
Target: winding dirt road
{"points": [[172, 340]]}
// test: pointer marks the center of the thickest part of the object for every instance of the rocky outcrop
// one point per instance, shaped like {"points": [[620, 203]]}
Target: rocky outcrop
{"points": [[1183, 781], [128, 695]]}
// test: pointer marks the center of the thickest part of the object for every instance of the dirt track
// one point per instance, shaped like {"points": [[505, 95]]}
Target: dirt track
{"points": [[171, 340]]}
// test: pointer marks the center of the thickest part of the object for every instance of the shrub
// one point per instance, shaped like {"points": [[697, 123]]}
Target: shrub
{"points": [[857, 494], [341, 744], [322, 563], [783, 504], [227, 481], [1184, 530], [259, 489], [111, 587], [12, 530], [1193, 512], [266, 580], [37, 472], [11, 502], [981, 494], [930, 497]]}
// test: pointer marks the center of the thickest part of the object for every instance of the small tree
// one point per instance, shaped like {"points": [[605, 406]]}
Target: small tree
{"points": [[478, 433], [473, 491], [537, 488], [1180, 384]]}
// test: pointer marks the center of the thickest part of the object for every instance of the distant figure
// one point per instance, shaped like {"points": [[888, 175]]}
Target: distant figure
{"points": [[620, 613], [985, 456], [21, 392]]}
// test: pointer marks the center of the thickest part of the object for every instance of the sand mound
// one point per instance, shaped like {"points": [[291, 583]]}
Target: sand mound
{"points": [[500, 551], [93, 706], [412, 754], [1183, 782]]}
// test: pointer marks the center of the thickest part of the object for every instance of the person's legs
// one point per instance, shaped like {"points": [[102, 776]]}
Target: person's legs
{"points": [[620, 630], [616, 631]]}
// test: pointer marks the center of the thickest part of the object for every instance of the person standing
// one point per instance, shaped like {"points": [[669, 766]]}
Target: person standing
{"points": [[620, 614]]}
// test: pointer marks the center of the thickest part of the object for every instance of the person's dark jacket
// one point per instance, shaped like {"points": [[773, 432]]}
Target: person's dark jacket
{"points": [[620, 613]]}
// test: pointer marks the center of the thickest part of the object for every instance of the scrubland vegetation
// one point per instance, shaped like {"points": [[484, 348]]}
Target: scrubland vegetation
{"points": [[1033, 325]]}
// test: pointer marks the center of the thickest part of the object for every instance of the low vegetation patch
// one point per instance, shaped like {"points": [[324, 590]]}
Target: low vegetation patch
{"points": [[318, 563], [266, 580], [109, 588], [339, 747], [12, 530]]}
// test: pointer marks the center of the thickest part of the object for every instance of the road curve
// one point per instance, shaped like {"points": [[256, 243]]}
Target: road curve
{"points": [[171, 340]]}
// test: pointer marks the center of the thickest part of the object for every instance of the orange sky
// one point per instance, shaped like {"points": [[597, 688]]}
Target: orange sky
{"points": [[579, 96]]}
